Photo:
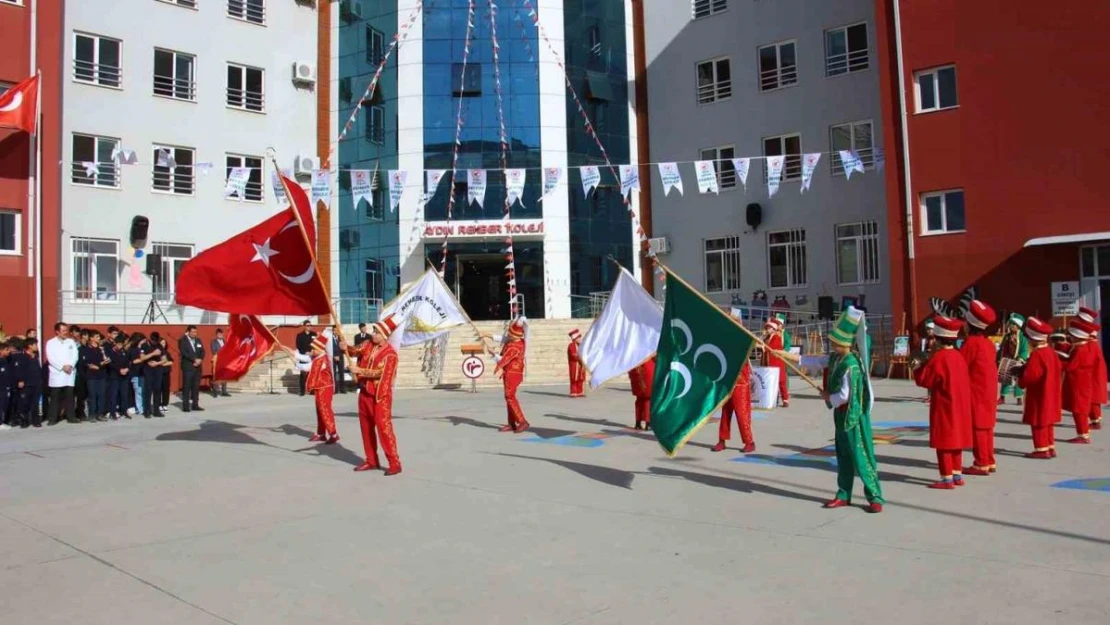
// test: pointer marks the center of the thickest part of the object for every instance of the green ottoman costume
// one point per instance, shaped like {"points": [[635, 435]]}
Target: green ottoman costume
{"points": [[1014, 349]]}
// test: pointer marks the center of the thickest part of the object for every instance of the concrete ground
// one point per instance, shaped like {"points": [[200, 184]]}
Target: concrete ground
{"points": [[231, 516]]}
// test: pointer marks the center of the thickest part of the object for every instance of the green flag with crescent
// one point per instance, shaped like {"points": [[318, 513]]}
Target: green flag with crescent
{"points": [[699, 357]]}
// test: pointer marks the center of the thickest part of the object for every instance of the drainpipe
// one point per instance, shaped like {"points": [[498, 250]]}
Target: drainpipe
{"points": [[643, 140], [911, 267]]}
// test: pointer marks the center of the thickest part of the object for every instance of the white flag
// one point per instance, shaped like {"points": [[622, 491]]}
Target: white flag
{"points": [[774, 174], [742, 165], [630, 179], [397, 179], [671, 178], [809, 163], [707, 177], [425, 311], [551, 178], [625, 334], [91, 168], [362, 187], [851, 162], [165, 159], [125, 156], [321, 187], [432, 178], [204, 167], [514, 186], [591, 177], [279, 189], [476, 186], [237, 182]]}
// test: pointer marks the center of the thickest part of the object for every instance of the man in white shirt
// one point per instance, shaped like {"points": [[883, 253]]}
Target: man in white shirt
{"points": [[61, 356]]}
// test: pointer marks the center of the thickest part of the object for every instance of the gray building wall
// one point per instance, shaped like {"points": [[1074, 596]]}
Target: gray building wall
{"points": [[680, 127]]}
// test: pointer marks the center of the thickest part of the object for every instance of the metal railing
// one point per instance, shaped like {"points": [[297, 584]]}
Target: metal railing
{"points": [[716, 90], [97, 73], [107, 174], [245, 100], [866, 156], [253, 11], [180, 179], [777, 78], [853, 61], [176, 88]]}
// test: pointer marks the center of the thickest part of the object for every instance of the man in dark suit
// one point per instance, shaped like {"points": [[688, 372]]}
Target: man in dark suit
{"points": [[304, 346], [362, 336], [192, 358], [337, 362], [218, 388]]}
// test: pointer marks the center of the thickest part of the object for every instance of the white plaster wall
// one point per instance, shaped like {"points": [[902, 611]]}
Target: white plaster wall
{"points": [[553, 141]]}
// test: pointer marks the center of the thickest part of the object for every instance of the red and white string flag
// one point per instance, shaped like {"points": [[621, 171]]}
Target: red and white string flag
{"points": [[458, 138]]}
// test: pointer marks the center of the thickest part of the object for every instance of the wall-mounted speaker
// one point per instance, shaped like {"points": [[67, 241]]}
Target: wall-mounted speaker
{"points": [[754, 215], [825, 307], [139, 227]]}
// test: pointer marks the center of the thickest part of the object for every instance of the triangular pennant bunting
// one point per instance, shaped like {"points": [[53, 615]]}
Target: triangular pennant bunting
{"points": [[671, 178], [707, 177]]}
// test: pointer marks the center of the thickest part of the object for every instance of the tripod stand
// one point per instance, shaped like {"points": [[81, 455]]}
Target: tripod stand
{"points": [[153, 311]]}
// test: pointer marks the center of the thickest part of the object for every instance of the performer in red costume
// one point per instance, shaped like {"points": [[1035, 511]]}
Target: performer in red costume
{"points": [[577, 371], [945, 375], [1040, 377], [321, 383], [1091, 316], [979, 353], [641, 377], [510, 364], [375, 373], [740, 404], [1080, 373], [772, 336]]}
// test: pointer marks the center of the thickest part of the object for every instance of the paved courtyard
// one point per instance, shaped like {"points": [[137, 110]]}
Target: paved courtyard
{"points": [[231, 516]]}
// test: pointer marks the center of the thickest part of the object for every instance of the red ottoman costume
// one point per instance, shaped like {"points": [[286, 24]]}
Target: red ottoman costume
{"points": [[1081, 371], [775, 343], [576, 370], [377, 369], [1040, 377], [510, 364], [946, 376], [979, 353], [1091, 316], [739, 404], [321, 383], [641, 378]]}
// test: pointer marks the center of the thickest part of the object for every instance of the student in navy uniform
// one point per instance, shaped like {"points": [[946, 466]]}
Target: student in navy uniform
{"points": [[152, 375], [96, 377], [29, 381], [119, 382], [80, 385], [167, 368], [138, 371], [7, 382]]}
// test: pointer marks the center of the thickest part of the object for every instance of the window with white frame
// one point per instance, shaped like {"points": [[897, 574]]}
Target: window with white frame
{"points": [[254, 192], [253, 11], [722, 264], [786, 258], [1094, 261], [9, 232], [95, 268], [851, 136], [173, 170], [173, 258], [778, 66], [246, 87], [857, 253], [175, 75], [935, 89], [189, 4], [92, 163], [15, 2], [375, 278], [789, 146], [375, 125], [375, 46], [846, 50], [705, 8], [723, 165], [942, 211], [714, 80], [96, 60]]}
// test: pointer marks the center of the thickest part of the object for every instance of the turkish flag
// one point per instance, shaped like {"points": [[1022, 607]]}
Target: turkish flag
{"points": [[269, 269], [19, 106], [248, 342]]}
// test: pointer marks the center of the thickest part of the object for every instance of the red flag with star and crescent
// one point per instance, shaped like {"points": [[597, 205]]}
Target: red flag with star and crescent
{"points": [[19, 106], [269, 269], [248, 342]]}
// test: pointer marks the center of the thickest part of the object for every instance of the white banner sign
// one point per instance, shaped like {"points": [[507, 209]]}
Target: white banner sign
{"points": [[765, 387], [476, 186], [809, 163], [774, 174], [591, 177], [279, 189], [630, 179], [552, 176], [514, 186], [1065, 299], [321, 187], [707, 176], [851, 162], [432, 178], [671, 178], [237, 182], [397, 178], [742, 165], [361, 186]]}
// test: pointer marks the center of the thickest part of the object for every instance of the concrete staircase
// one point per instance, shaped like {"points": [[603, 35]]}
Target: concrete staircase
{"points": [[547, 359]]}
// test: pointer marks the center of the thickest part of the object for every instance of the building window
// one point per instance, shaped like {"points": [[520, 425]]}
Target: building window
{"points": [[936, 89], [852, 136], [846, 50], [714, 81], [375, 125], [726, 170], [942, 211], [786, 258], [253, 11], [174, 75], [246, 87], [189, 4], [857, 253], [173, 258], [778, 66], [599, 114], [469, 86], [789, 146], [173, 170], [92, 161], [95, 268], [254, 191], [9, 232], [375, 46], [96, 60], [705, 8], [722, 264], [1095, 262], [375, 275], [376, 212]]}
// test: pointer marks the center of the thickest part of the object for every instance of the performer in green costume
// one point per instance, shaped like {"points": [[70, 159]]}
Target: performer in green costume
{"points": [[1014, 345], [786, 342]]}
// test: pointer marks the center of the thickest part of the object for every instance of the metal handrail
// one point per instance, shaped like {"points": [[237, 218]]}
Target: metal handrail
{"points": [[180, 179], [176, 88], [777, 78], [717, 90], [106, 170], [86, 306], [866, 156], [245, 100], [253, 12], [853, 61], [97, 73]]}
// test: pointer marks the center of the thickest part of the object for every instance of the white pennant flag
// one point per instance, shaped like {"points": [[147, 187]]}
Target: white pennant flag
{"points": [[204, 167], [476, 186], [91, 169], [321, 187], [397, 179], [809, 163], [707, 177], [671, 178], [630, 179], [774, 174], [237, 182], [362, 187], [125, 156], [165, 159], [514, 186], [552, 176], [851, 162], [742, 165], [591, 177], [432, 178], [279, 189]]}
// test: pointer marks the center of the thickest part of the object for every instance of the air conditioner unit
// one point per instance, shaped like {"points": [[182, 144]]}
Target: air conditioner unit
{"points": [[659, 245], [356, 9], [304, 73], [350, 10], [306, 164]]}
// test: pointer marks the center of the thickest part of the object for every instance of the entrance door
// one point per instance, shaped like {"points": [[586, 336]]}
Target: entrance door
{"points": [[1104, 307], [483, 287]]}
